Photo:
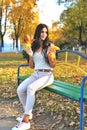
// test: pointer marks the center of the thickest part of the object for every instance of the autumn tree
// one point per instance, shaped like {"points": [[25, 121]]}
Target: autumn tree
{"points": [[55, 33], [4, 9], [22, 15], [74, 21]]}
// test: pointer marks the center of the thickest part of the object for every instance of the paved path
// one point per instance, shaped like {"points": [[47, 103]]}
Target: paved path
{"points": [[7, 123]]}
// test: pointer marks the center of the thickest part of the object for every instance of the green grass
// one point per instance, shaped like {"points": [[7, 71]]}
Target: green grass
{"points": [[11, 57]]}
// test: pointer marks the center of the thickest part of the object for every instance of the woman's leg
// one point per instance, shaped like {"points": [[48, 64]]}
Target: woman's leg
{"points": [[22, 89], [44, 79]]}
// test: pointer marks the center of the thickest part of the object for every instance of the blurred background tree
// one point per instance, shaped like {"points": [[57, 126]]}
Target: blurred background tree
{"points": [[20, 17], [23, 17]]}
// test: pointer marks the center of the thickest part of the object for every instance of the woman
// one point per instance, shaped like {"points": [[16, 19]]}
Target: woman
{"points": [[43, 65]]}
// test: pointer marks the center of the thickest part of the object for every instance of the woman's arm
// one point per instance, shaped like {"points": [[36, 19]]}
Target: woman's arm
{"points": [[51, 56], [30, 53], [31, 63], [52, 62]]}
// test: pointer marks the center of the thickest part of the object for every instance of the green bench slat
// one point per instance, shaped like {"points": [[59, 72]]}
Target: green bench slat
{"points": [[23, 77], [75, 88], [67, 90], [67, 85], [63, 91]]}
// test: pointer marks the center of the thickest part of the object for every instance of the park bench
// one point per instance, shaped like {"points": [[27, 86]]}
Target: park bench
{"points": [[73, 82]]}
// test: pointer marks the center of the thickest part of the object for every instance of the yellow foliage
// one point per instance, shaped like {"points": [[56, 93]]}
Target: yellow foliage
{"points": [[24, 17], [55, 34], [28, 41]]}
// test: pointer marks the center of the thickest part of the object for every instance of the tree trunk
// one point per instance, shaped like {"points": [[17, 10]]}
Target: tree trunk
{"points": [[85, 46], [17, 43], [2, 41], [13, 43], [80, 35]]}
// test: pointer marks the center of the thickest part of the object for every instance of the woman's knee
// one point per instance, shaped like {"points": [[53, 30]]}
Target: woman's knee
{"points": [[19, 90], [31, 89]]}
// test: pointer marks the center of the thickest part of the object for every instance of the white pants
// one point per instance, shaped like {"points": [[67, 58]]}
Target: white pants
{"points": [[27, 89]]}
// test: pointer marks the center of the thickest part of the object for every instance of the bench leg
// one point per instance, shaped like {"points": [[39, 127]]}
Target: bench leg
{"points": [[81, 115], [18, 82]]}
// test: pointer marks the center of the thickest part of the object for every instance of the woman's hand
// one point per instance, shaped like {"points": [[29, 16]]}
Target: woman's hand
{"points": [[30, 53]]}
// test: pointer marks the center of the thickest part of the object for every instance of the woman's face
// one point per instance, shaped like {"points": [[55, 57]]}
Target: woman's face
{"points": [[43, 34]]}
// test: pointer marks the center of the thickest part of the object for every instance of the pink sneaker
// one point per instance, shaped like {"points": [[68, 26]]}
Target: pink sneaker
{"points": [[19, 119], [22, 126]]}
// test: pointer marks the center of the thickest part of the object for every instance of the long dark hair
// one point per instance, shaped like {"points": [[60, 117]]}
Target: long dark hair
{"points": [[36, 43]]}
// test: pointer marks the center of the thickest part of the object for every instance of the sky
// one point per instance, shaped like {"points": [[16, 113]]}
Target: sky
{"points": [[49, 10]]}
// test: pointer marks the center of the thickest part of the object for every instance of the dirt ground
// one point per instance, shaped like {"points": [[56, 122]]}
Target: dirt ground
{"points": [[9, 111], [42, 120]]}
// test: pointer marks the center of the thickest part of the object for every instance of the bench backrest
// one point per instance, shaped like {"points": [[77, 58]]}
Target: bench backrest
{"points": [[71, 66]]}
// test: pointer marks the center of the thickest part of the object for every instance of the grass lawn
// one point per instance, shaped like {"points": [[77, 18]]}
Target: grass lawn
{"points": [[9, 63], [8, 73]]}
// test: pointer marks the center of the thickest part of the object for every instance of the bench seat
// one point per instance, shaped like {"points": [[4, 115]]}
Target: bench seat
{"points": [[68, 90], [22, 78], [64, 89]]}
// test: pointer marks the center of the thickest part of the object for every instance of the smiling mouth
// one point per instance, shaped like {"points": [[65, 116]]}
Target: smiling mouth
{"points": [[43, 36]]}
